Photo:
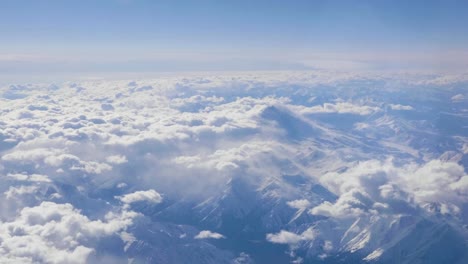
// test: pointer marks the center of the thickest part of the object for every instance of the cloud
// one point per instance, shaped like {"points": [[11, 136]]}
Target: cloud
{"points": [[289, 238], [30, 178], [284, 237], [373, 186], [150, 196], [56, 233], [117, 159], [458, 98], [207, 142], [438, 181], [18, 191], [400, 107], [32, 155], [205, 234], [299, 204], [349, 205], [341, 108]]}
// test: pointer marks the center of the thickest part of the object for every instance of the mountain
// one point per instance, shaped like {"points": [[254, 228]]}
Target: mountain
{"points": [[270, 168]]}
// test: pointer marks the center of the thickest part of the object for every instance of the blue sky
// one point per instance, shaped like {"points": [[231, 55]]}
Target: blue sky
{"points": [[56, 36]]}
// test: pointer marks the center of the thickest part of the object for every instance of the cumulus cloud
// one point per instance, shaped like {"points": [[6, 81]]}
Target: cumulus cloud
{"points": [[30, 155], [117, 159], [228, 159], [21, 190], [299, 204], [30, 178], [375, 187], [150, 196], [208, 142], [56, 233], [349, 205], [205, 234], [289, 238]]}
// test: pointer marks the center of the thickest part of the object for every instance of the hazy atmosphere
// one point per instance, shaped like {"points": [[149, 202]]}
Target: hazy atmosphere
{"points": [[72, 39]]}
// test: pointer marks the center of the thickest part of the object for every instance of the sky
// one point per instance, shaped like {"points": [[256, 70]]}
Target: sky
{"points": [[59, 37]]}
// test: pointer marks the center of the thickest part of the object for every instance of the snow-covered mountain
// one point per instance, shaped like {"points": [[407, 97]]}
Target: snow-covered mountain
{"points": [[282, 167]]}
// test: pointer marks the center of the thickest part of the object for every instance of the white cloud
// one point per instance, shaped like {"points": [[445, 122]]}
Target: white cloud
{"points": [[400, 107], [21, 190], [341, 108], [55, 233], [150, 196], [92, 167], [289, 238], [32, 155], [370, 185], [438, 181], [117, 159], [284, 237], [194, 136], [327, 246], [31, 178], [458, 98], [205, 234], [349, 205], [299, 204]]}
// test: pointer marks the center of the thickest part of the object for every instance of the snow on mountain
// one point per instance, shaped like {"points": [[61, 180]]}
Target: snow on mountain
{"points": [[312, 167]]}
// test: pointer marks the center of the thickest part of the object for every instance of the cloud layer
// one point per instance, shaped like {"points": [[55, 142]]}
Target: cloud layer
{"points": [[319, 161]]}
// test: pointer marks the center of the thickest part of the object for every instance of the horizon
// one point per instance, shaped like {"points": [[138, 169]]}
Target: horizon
{"points": [[85, 38], [233, 132]]}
